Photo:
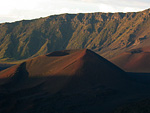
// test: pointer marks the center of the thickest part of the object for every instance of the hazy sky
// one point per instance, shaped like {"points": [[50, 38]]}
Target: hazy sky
{"points": [[13, 10]]}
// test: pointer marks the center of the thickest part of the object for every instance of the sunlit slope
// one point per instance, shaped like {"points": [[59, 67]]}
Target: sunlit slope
{"points": [[67, 81], [75, 67], [106, 33], [136, 60]]}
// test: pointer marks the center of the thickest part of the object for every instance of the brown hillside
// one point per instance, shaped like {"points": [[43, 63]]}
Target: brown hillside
{"points": [[74, 73], [109, 34], [83, 64], [67, 81], [136, 60]]}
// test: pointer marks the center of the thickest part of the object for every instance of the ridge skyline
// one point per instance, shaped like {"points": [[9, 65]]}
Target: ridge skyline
{"points": [[62, 13], [108, 34]]}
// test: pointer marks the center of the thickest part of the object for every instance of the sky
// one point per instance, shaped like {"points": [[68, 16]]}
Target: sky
{"points": [[14, 10]]}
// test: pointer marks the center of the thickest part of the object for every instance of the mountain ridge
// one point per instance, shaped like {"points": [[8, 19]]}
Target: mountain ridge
{"points": [[105, 33]]}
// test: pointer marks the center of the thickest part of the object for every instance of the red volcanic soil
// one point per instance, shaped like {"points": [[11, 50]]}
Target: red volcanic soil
{"points": [[136, 60], [69, 65], [63, 82]]}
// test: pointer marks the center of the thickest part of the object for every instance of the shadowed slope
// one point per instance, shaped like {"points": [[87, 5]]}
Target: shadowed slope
{"points": [[4, 66], [66, 81], [76, 65], [136, 60]]}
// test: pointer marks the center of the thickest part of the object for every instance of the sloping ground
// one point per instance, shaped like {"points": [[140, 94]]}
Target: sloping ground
{"points": [[71, 65], [136, 60], [4, 66], [141, 105], [108, 34], [67, 81]]}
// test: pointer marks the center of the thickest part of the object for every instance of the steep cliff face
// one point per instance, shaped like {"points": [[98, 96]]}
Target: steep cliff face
{"points": [[105, 33]]}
